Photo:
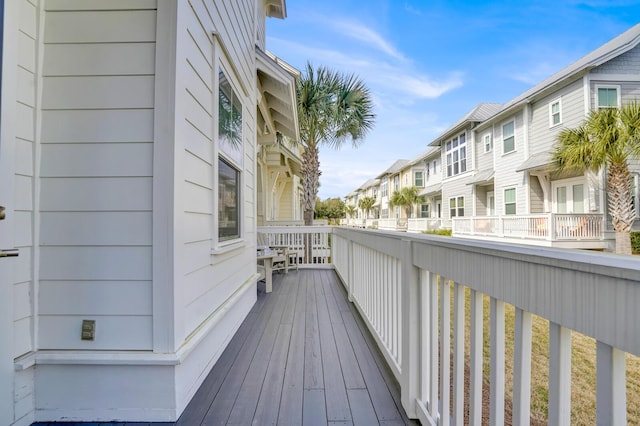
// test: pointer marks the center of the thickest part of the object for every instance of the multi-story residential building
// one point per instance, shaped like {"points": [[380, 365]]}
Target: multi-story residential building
{"points": [[128, 162], [497, 180], [515, 191], [389, 183]]}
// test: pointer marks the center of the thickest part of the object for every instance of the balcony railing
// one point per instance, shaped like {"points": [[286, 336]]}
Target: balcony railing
{"points": [[392, 224], [411, 291], [550, 226], [427, 224]]}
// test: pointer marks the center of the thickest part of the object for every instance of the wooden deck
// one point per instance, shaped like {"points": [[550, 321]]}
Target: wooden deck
{"points": [[303, 356]]}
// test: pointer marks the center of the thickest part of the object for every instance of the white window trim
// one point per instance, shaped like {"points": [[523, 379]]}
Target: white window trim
{"points": [[551, 104], [457, 149], [485, 144], [221, 62], [569, 183], [608, 86], [415, 172], [457, 206], [513, 120], [504, 200]]}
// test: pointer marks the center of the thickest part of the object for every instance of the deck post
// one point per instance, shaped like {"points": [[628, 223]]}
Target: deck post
{"points": [[410, 332], [559, 375], [611, 393], [350, 271]]}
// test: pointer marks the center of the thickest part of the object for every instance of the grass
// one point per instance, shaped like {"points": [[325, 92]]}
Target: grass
{"points": [[444, 232], [583, 369]]}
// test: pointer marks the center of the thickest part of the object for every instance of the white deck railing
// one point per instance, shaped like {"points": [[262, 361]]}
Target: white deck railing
{"points": [[402, 284], [427, 224], [550, 226], [392, 224], [308, 245]]}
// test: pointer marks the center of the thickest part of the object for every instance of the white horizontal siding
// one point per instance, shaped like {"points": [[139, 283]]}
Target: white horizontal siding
{"points": [[103, 228], [98, 298], [208, 281], [112, 125], [74, 5], [97, 160], [95, 263], [112, 332], [100, 59], [98, 92], [101, 26], [97, 173], [96, 194]]}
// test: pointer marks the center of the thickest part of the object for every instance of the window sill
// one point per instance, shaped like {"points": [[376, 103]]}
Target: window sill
{"points": [[229, 247], [504, 154]]}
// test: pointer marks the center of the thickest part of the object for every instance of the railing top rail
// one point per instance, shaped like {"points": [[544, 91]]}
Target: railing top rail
{"points": [[596, 294]]}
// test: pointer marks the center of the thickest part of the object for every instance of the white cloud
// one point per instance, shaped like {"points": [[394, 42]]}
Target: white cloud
{"points": [[424, 87], [412, 10], [357, 31]]}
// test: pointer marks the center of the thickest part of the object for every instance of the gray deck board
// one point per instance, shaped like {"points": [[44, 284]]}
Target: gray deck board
{"points": [[303, 356]]}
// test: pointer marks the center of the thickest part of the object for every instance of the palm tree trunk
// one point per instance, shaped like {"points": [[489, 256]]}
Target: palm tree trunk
{"points": [[310, 181], [621, 204]]}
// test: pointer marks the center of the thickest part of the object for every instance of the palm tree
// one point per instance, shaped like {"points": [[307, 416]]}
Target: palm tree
{"points": [[333, 108], [607, 138], [366, 204], [406, 198], [350, 209]]}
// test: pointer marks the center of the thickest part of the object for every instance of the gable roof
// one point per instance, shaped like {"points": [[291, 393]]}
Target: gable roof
{"points": [[394, 168], [424, 155], [613, 48], [477, 115]]}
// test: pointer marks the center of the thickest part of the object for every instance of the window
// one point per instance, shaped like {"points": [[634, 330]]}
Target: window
{"points": [[396, 182], [424, 210], [555, 116], [427, 169], [230, 151], [510, 201], [487, 140], [375, 192], [384, 187], [508, 137], [384, 214], [456, 206], [456, 150], [434, 167], [418, 179], [608, 97]]}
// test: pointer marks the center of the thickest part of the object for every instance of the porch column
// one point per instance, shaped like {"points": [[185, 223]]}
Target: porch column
{"points": [[410, 361]]}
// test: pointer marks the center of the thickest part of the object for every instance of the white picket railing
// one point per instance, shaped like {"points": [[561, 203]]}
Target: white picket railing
{"points": [[308, 245], [392, 224], [550, 226], [402, 284], [594, 294], [427, 224]]}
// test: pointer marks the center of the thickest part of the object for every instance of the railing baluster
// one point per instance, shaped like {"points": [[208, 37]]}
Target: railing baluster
{"points": [[611, 395], [433, 343], [496, 415], [476, 362], [522, 368], [559, 375], [445, 350], [425, 336], [458, 354]]}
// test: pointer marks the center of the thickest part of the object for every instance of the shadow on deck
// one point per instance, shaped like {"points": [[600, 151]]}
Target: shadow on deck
{"points": [[303, 356]]}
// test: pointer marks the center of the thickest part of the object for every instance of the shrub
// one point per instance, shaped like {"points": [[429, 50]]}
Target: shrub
{"points": [[635, 242], [444, 232]]}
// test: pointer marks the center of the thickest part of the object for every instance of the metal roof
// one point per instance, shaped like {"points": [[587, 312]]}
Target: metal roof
{"points": [[477, 115], [536, 161], [394, 168]]}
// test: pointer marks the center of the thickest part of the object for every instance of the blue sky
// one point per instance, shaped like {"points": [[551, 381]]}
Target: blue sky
{"points": [[428, 62]]}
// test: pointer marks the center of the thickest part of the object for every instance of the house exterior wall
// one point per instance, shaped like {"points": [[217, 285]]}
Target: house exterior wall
{"points": [[542, 135], [95, 197], [505, 164], [114, 203], [536, 195]]}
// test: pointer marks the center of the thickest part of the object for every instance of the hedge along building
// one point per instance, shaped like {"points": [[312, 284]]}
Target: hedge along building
{"points": [[128, 146]]}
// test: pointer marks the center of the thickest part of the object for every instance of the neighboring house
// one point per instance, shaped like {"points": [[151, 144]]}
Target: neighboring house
{"points": [[458, 158], [497, 180], [515, 182], [128, 146], [279, 182], [389, 183], [428, 178]]}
